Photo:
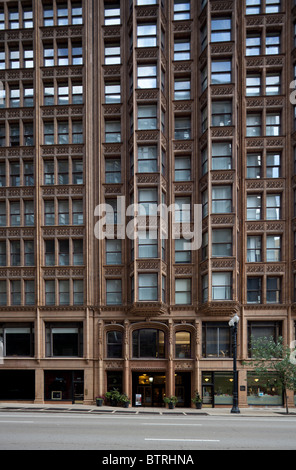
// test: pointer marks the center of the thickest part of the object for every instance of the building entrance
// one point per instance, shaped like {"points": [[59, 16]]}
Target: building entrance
{"points": [[148, 389]]}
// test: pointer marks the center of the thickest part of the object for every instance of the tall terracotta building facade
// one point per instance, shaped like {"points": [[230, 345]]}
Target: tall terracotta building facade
{"points": [[175, 102]]}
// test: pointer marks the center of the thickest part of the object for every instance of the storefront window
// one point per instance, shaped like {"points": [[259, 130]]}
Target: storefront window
{"points": [[264, 391], [217, 388]]}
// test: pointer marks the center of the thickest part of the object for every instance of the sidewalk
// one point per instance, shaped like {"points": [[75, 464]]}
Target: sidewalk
{"points": [[61, 408]]}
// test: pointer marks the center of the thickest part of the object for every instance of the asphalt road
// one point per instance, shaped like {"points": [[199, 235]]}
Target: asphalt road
{"points": [[60, 431]]}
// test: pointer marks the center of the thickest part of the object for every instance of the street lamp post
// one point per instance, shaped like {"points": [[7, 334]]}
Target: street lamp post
{"points": [[233, 325]]}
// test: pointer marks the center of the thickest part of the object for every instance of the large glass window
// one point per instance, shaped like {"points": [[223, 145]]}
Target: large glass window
{"points": [[216, 340], [148, 343], [64, 340], [264, 391], [17, 339]]}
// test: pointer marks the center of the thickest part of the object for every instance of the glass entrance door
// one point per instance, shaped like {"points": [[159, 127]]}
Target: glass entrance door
{"points": [[148, 389]]}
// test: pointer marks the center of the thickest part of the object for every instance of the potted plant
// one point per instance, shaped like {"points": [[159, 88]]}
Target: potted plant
{"points": [[124, 399], [197, 400], [171, 401], [99, 401], [113, 397]]}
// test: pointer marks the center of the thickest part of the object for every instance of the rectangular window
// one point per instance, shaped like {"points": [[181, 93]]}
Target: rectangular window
{"points": [[254, 290], [221, 29], [254, 249], [112, 131], [182, 89], [112, 92], [181, 10], [78, 292], [222, 286], [221, 243], [182, 169], [77, 246], [147, 244], [253, 7], [182, 49], [49, 214], [182, 253], [113, 252], [148, 201], [112, 54], [77, 212], [113, 292], [182, 209], [221, 199], [112, 14], [49, 292], [221, 156], [273, 124], [216, 340], [273, 290], [147, 76], [148, 287], [63, 212], [254, 207], [182, 128], [15, 292], [183, 291], [221, 113], [147, 159], [253, 166], [253, 85], [29, 292], [221, 72], [146, 35], [147, 117], [273, 248], [113, 170], [253, 125], [273, 165], [272, 44], [49, 253], [64, 292], [273, 206], [253, 45]]}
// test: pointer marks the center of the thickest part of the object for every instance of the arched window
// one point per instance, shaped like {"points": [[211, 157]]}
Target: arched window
{"points": [[148, 342], [114, 344], [183, 345]]}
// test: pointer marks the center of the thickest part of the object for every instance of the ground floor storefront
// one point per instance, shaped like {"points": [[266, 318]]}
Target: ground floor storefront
{"points": [[145, 387]]}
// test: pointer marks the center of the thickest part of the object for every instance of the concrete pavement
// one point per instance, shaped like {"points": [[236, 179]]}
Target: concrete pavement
{"points": [[77, 408]]}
